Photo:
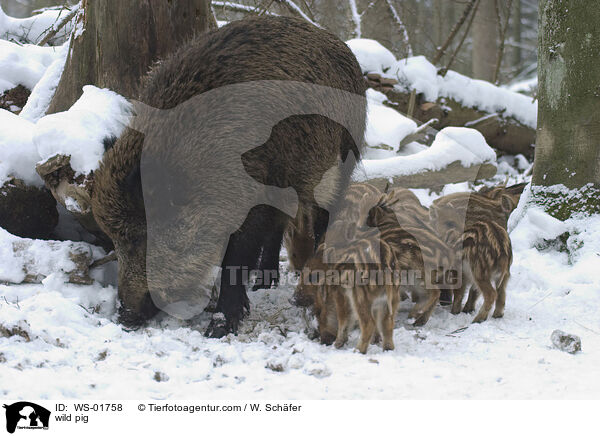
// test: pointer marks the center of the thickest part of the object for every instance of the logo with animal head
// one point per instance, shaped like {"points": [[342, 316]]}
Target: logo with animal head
{"points": [[26, 415]]}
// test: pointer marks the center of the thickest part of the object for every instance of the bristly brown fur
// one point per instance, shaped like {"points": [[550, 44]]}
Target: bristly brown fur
{"points": [[373, 303], [475, 225], [299, 152], [418, 248], [487, 257], [299, 238]]}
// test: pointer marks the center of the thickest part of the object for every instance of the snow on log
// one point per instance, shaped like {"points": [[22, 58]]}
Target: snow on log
{"points": [[18, 155], [31, 261], [456, 155], [507, 119], [505, 134], [71, 145]]}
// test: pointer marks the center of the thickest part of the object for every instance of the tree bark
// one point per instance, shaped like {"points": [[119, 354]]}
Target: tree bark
{"points": [[117, 41], [485, 44], [568, 146]]}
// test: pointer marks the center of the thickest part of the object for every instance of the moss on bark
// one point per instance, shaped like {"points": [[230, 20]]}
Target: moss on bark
{"points": [[563, 203]]}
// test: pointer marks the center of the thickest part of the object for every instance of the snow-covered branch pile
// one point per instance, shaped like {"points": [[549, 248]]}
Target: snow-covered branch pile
{"points": [[34, 29], [507, 119], [457, 154], [31, 261]]}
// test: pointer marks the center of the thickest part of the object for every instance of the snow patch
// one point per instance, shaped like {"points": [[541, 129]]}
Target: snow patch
{"points": [[79, 132], [371, 55], [43, 91], [451, 144], [24, 64], [18, 155], [38, 258]]}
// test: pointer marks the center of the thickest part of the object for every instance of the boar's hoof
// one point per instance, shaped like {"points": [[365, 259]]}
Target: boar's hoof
{"points": [[134, 319], [421, 320], [327, 338], [445, 298], [220, 326], [273, 283]]}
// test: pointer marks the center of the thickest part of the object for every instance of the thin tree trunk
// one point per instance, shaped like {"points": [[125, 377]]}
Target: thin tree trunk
{"points": [[119, 40], [485, 45], [444, 70], [438, 23], [502, 28], [516, 36]]}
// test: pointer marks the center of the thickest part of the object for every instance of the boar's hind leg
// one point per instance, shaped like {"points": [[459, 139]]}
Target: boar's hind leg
{"points": [[241, 256]]}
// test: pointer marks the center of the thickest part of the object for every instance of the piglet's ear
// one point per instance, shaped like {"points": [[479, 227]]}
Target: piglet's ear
{"points": [[433, 213], [328, 255], [365, 205], [507, 203]]}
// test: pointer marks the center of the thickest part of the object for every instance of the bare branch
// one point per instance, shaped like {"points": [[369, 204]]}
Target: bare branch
{"points": [[502, 30], [296, 10], [236, 7], [443, 71], [55, 29], [401, 26], [454, 31]]}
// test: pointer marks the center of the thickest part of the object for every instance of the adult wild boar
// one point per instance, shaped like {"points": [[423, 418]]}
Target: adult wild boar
{"points": [[240, 131]]}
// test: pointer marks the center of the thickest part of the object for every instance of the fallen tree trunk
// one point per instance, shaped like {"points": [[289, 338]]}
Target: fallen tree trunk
{"points": [[27, 211], [505, 134], [453, 173]]}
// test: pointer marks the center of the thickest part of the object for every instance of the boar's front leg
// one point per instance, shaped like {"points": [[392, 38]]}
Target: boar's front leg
{"points": [[269, 260], [241, 256]]}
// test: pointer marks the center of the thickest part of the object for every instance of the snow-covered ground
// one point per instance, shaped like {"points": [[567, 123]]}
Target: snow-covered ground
{"points": [[66, 343], [61, 340]]}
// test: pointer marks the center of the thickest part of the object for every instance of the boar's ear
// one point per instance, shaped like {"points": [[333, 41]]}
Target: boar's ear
{"points": [[142, 116]]}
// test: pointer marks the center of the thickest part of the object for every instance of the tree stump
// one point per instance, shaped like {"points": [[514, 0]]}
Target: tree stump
{"points": [[115, 43]]}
